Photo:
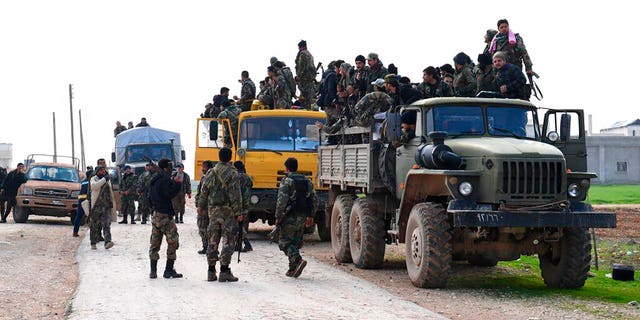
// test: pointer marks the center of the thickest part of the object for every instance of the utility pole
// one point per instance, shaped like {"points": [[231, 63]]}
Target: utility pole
{"points": [[55, 144], [73, 147], [84, 166]]}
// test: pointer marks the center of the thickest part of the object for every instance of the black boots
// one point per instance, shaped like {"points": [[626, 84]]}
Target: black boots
{"points": [[247, 246], [181, 216], [124, 220], [211, 273], [204, 249], [169, 272], [226, 275], [154, 269]]}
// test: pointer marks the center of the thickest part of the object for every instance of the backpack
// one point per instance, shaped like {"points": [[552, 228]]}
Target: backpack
{"points": [[302, 204]]}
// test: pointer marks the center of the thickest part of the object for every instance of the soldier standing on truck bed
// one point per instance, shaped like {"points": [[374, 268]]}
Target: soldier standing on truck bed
{"points": [[305, 75], [296, 205], [127, 192], [178, 201], [202, 219], [221, 195]]}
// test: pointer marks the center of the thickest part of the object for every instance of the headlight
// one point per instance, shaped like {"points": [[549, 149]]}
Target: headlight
{"points": [[27, 191], [241, 152], [573, 190], [254, 199], [75, 194], [465, 188], [553, 136]]}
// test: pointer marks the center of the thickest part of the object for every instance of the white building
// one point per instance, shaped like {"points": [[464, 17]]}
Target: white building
{"points": [[629, 128], [6, 155]]}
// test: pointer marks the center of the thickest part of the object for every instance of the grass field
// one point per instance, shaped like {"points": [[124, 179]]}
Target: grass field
{"points": [[614, 194]]}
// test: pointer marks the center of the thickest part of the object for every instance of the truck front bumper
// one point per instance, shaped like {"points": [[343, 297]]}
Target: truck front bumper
{"points": [[581, 217], [48, 206]]}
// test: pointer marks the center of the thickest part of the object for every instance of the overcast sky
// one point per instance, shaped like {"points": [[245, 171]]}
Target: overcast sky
{"points": [[165, 60]]}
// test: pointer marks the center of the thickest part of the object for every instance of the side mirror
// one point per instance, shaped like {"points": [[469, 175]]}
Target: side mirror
{"points": [[565, 127], [213, 130], [183, 155], [113, 157]]}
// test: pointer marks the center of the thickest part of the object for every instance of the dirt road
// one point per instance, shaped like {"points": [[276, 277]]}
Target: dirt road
{"points": [[114, 284]]}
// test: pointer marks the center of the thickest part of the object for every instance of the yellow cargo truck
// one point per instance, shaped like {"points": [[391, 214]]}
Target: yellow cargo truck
{"points": [[265, 139]]}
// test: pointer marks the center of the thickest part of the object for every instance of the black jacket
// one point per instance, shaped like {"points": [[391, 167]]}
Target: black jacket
{"points": [[329, 89], [12, 182], [162, 190]]}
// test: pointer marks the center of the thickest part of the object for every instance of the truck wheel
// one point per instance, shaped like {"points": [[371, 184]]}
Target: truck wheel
{"points": [[482, 261], [366, 236], [428, 246], [323, 232], [340, 227], [20, 214], [571, 267]]}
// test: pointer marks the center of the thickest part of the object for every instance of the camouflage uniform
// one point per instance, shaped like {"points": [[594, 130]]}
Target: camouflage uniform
{"points": [[281, 93], [377, 72], [369, 105], [232, 113], [306, 73], [516, 53], [245, 188], [221, 195], [288, 77], [486, 80], [178, 202], [247, 94], [406, 135], [163, 225], [361, 82], [440, 89], [101, 208], [292, 223], [203, 217], [127, 201], [144, 205], [464, 82]]}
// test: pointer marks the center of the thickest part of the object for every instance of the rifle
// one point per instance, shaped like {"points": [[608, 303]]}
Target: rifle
{"points": [[534, 86], [239, 243]]}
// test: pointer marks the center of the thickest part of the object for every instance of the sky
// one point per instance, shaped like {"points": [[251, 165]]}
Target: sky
{"points": [[164, 60]]}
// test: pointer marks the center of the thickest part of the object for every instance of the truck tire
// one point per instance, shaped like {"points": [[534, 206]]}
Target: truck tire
{"points": [[428, 246], [366, 236], [570, 270], [20, 214], [323, 232], [340, 227]]}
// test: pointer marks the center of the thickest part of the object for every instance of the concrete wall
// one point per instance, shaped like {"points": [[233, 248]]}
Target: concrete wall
{"points": [[6, 155], [632, 130], [616, 159]]}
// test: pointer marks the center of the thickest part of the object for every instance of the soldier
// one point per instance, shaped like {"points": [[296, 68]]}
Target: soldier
{"points": [[408, 124], [370, 104], [178, 201], [485, 75], [128, 195], [266, 93], [203, 215], [283, 70], [432, 86], [464, 82], [512, 45], [402, 94], [221, 195], [143, 123], [305, 75], [102, 207], [162, 188], [376, 69], [281, 92], [510, 80], [361, 77], [296, 205], [142, 188], [245, 188], [10, 187], [230, 112], [119, 128], [247, 92], [488, 37]]}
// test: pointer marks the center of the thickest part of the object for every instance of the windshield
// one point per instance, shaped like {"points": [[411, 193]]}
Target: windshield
{"points": [[137, 153], [277, 134], [47, 173], [457, 120], [511, 122]]}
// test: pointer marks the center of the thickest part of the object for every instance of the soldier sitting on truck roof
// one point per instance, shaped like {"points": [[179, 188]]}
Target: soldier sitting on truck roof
{"points": [[230, 112]]}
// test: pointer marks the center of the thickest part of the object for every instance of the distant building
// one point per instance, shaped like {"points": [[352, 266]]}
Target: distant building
{"points": [[6, 155], [629, 128]]}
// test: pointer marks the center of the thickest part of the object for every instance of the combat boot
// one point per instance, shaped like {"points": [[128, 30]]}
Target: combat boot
{"points": [[226, 275], [169, 271], [133, 221], [94, 247], [247, 246], [154, 269], [204, 250], [211, 273], [299, 267]]}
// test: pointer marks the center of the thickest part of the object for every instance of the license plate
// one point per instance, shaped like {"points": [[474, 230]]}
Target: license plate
{"points": [[57, 202]]}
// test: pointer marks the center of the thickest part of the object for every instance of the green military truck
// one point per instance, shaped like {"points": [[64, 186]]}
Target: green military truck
{"points": [[481, 182]]}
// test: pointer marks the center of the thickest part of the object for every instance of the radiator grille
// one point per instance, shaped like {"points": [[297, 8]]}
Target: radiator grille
{"points": [[532, 179], [51, 193]]}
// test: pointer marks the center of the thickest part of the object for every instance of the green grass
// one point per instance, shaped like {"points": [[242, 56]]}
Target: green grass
{"points": [[522, 278], [614, 194]]}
